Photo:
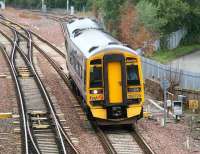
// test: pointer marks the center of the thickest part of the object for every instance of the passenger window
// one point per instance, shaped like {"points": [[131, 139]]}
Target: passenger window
{"points": [[95, 77], [132, 75]]}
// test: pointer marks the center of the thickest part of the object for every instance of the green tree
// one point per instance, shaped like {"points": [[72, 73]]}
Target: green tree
{"points": [[163, 15], [192, 22], [148, 15], [79, 4], [110, 10]]}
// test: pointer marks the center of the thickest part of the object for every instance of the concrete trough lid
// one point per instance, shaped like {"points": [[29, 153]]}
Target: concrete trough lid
{"points": [[5, 115], [3, 75]]}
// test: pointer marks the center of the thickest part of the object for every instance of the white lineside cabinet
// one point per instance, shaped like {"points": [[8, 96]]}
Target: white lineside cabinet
{"points": [[177, 108], [2, 5]]}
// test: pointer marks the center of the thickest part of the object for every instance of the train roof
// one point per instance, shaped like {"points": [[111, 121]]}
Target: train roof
{"points": [[91, 39]]}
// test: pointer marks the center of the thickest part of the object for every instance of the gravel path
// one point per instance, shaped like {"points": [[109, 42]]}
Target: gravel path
{"points": [[10, 142], [169, 140]]}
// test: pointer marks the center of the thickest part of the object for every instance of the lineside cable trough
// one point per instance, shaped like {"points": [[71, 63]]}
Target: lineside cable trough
{"points": [[5, 115]]}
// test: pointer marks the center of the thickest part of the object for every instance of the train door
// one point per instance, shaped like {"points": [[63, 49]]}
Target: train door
{"points": [[115, 82], [115, 85]]}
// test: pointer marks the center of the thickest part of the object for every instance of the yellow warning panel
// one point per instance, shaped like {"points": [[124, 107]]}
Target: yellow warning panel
{"points": [[193, 104]]}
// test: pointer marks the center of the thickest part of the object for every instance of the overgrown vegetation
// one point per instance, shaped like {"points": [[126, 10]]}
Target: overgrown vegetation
{"points": [[165, 56], [167, 16], [137, 22], [142, 21], [148, 14], [131, 31]]}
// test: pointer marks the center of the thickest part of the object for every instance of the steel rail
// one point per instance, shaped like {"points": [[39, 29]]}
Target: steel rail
{"points": [[28, 127], [36, 35], [64, 77], [21, 96], [46, 98], [56, 120], [14, 75], [141, 141], [108, 146], [57, 68], [104, 139], [45, 95], [48, 43]]}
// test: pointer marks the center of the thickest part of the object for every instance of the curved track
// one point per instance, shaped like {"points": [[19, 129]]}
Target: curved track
{"points": [[23, 119], [35, 118], [112, 140]]}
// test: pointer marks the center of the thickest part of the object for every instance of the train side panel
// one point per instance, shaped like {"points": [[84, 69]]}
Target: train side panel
{"points": [[76, 67]]}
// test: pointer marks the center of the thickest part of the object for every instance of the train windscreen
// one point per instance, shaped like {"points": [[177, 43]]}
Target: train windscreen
{"points": [[132, 75], [95, 77]]}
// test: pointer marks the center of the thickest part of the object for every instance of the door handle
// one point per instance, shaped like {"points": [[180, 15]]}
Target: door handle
{"points": [[120, 83]]}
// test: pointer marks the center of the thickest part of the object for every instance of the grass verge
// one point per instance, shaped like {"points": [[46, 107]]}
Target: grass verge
{"points": [[165, 56]]}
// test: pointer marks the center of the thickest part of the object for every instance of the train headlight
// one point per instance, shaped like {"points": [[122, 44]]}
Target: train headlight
{"points": [[134, 89], [96, 91]]}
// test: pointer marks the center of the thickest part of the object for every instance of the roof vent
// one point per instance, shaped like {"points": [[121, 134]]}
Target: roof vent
{"points": [[127, 45], [113, 43], [71, 21], [77, 32], [93, 48]]}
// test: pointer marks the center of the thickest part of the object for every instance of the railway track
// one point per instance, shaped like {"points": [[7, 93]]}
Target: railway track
{"points": [[122, 140], [23, 123], [119, 141], [37, 116], [41, 125], [114, 141], [127, 142]]}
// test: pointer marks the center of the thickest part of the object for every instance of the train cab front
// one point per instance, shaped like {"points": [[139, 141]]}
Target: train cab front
{"points": [[116, 92]]}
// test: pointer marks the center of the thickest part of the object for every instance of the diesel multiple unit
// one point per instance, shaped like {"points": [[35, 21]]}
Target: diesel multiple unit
{"points": [[106, 74]]}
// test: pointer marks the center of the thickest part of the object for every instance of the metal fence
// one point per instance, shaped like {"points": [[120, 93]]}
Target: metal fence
{"points": [[170, 41], [185, 79]]}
